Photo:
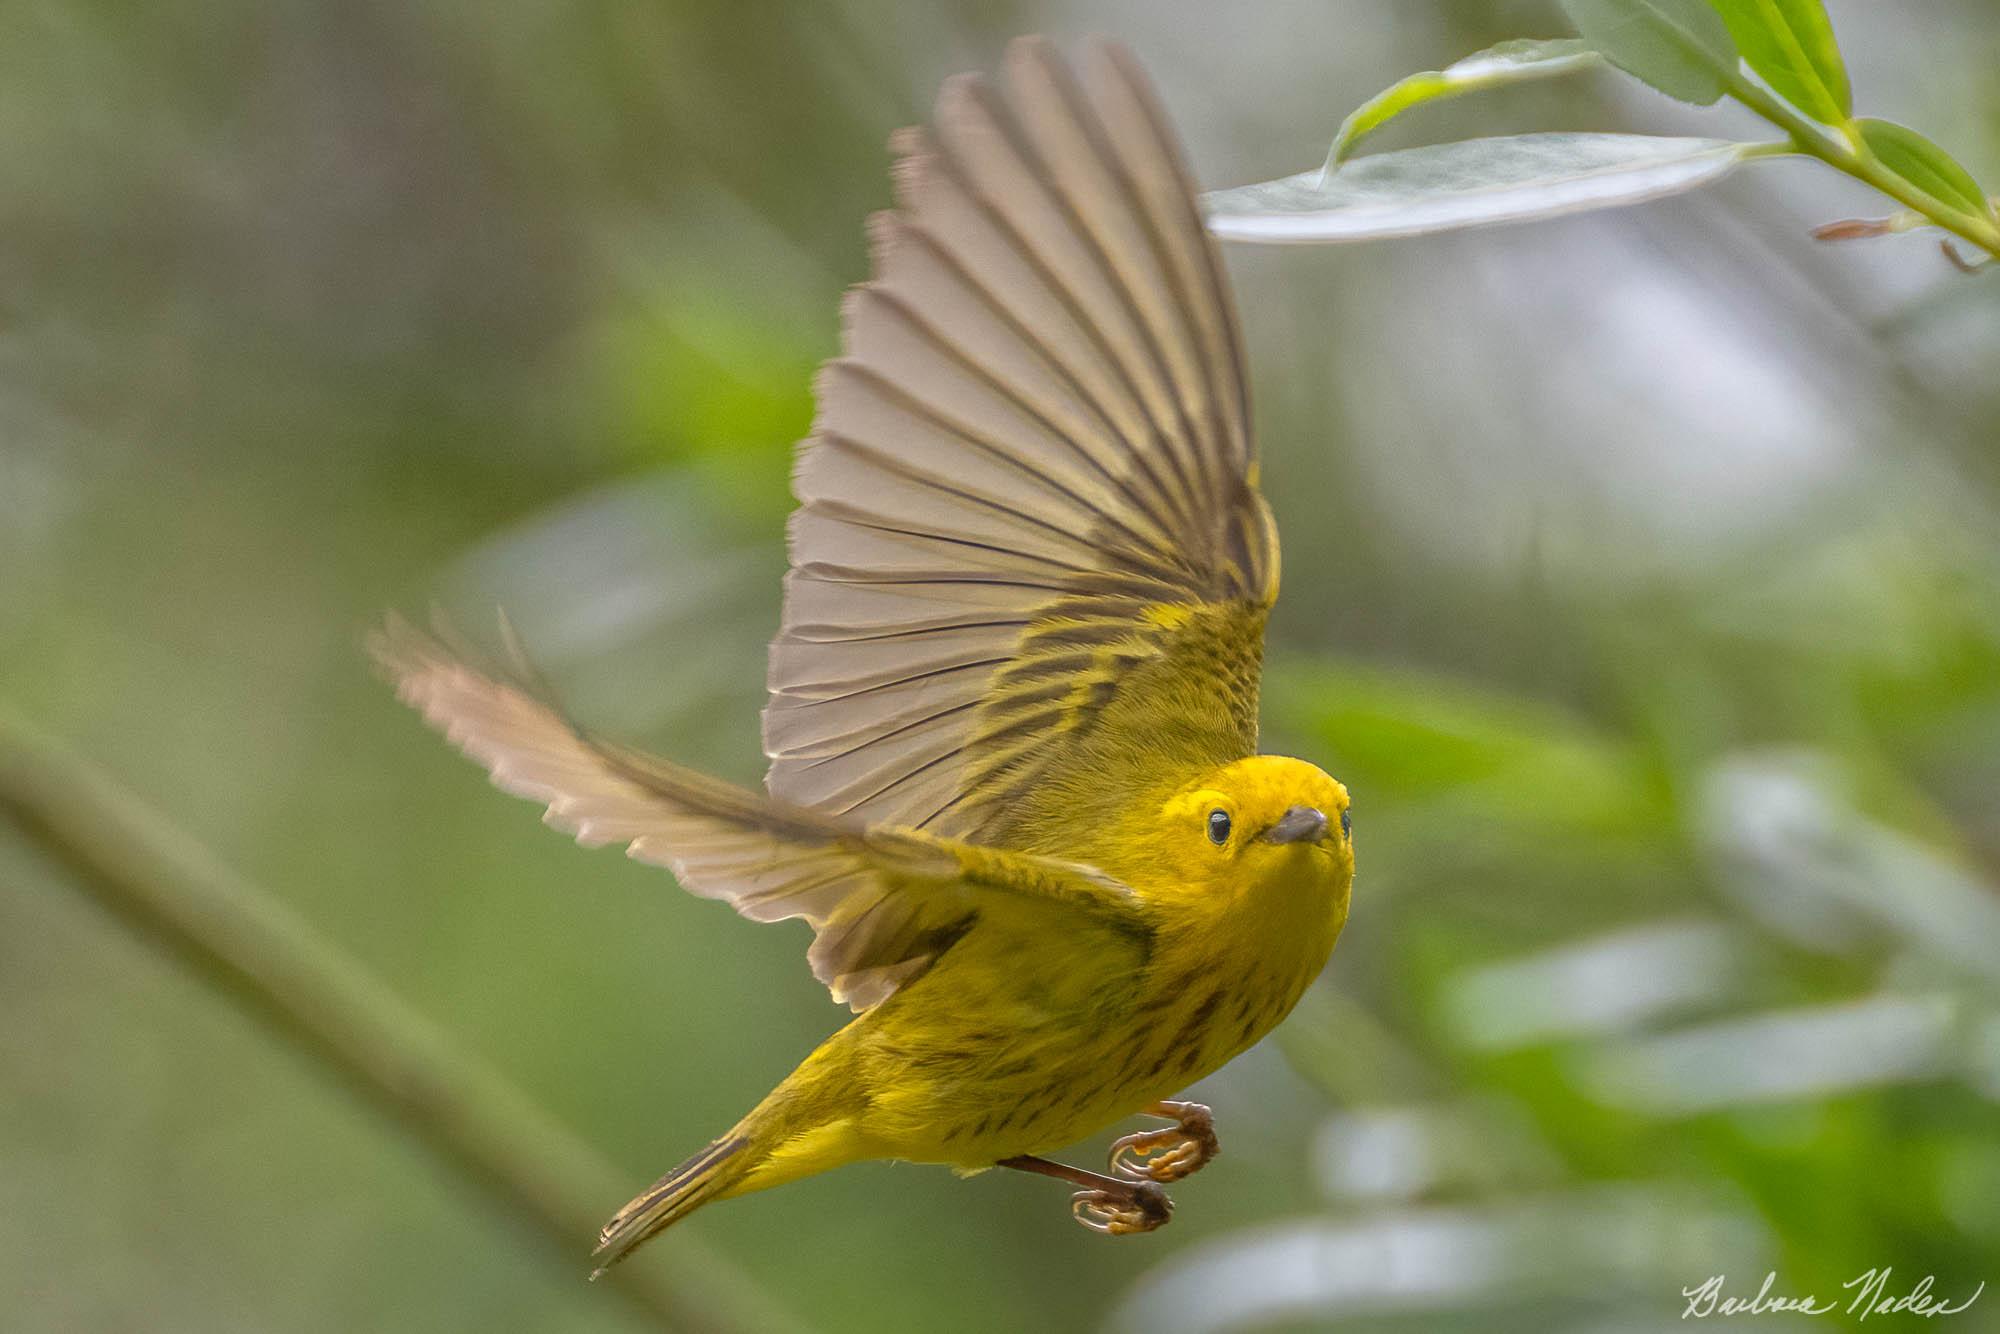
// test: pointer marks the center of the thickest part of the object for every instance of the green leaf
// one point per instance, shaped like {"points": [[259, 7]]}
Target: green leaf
{"points": [[1509, 62], [1680, 47], [1923, 164], [1416, 739], [1443, 187], [1790, 44]]}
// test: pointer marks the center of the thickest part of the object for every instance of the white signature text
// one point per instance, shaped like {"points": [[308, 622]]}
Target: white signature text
{"points": [[1868, 1294]]}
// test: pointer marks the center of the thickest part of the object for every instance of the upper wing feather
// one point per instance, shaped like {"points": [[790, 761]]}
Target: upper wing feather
{"points": [[883, 903], [1030, 489]]}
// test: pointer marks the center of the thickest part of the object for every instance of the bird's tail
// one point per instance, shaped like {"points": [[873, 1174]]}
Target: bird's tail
{"points": [[787, 1136], [674, 1196]]}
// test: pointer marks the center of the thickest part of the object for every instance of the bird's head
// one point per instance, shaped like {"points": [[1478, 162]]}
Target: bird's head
{"points": [[1258, 819]]}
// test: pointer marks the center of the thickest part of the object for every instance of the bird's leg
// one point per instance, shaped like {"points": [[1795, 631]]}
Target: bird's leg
{"points": [[1105, 1204], [1168, 1155]]}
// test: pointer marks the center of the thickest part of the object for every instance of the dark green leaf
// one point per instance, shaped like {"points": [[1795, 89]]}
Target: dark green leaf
{"points": [[1680, 47], [1509, 62], [1468, 184], [1790, 44], [1923, 164]]}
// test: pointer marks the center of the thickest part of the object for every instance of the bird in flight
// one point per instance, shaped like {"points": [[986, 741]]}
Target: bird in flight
{"points": [[1014, 785]]}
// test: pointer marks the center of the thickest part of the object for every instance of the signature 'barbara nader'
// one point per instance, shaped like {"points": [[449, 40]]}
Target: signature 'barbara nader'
{"points": [[1868, 1294]]}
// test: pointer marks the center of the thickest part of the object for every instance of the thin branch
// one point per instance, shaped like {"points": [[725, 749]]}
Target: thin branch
{"points": [[1842, 155], [269, 963]]}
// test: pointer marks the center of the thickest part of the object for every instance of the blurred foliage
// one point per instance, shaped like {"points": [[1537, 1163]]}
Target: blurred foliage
{"points": [[1641, 580]]}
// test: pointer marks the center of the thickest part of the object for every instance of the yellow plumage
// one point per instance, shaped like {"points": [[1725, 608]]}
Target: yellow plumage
{"points": [[1012, 726]]}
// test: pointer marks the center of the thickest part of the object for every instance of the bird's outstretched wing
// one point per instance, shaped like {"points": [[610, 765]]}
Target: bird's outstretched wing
{"points": [[883, 903], [1028, 508]]}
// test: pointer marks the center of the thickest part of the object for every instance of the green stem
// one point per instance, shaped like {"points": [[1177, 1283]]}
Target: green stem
{"points": [[1812, 138], [270, 963]]}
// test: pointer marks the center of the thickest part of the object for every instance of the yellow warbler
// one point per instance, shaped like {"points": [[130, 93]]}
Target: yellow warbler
{"points": [[1013, 713]]}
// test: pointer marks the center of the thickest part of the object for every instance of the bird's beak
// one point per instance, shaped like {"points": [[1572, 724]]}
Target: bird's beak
{"points": [[1300, 824]]}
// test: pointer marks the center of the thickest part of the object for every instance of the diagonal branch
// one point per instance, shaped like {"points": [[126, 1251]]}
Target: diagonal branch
{"points": [[177, 897]]}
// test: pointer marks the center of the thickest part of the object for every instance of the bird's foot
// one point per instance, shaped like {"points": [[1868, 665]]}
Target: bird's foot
{"points": [[1166, 1155], [1122, 1210], [1105, 1204]]}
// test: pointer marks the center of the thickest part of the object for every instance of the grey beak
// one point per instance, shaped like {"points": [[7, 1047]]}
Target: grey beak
{"points": [[1300, 824]]}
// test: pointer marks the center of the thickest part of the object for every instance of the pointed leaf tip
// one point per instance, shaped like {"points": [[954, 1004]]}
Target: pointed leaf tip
{"points": [[1790, 45], [1924, 165], [1516, 61]]}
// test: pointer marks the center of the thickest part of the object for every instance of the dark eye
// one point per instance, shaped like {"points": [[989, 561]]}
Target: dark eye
{"points": [[1218, 827], [1347, 824]]}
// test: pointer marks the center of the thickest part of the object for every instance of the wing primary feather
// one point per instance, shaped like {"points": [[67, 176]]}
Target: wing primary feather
{"points": [[1123, 71], [907, 727], [792, 889], [1150, 175], [1151, 492], [847, 574], [899, 780], [914, 231], [1146, 540], [919, 632], [823, 696], [889, 463], [931, 183], [856, 518], [1069, 138], [1028, 178], [1216, 458]]}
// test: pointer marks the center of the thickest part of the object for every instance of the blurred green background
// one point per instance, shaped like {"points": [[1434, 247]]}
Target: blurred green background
{"points": [[1642, 580]]}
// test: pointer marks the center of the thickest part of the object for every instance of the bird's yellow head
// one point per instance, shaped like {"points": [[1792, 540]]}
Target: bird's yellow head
{"points": [[1260, 820]]}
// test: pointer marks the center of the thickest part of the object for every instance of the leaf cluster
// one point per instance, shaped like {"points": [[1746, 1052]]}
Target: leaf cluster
{"points": [[1779, 58]]}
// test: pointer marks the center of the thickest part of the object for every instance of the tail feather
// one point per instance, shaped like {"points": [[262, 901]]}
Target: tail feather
{"points": [[671, 1198]]}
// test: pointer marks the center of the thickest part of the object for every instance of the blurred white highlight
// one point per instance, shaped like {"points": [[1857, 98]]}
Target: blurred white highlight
{"points": [[1812, 1052], [1801, 857], [1599, 1240], [1605, 985], [1394, 1154]]}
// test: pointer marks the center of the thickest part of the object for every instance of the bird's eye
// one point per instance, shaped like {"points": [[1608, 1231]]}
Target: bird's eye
{"points": [[1347, 824], [1218, 827]]}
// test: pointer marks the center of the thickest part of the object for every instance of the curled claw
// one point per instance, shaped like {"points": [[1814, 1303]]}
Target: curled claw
{"points": [[1121, 1213], [1169, 1154], [1155, 1155], [1105, 1205]]}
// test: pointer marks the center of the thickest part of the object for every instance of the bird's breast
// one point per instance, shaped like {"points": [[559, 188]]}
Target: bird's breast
{"points": [[1233, 970]]}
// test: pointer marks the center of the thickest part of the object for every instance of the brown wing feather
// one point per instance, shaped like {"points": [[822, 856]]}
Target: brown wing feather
{"points": [[883, 903], [1032, 468]]}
